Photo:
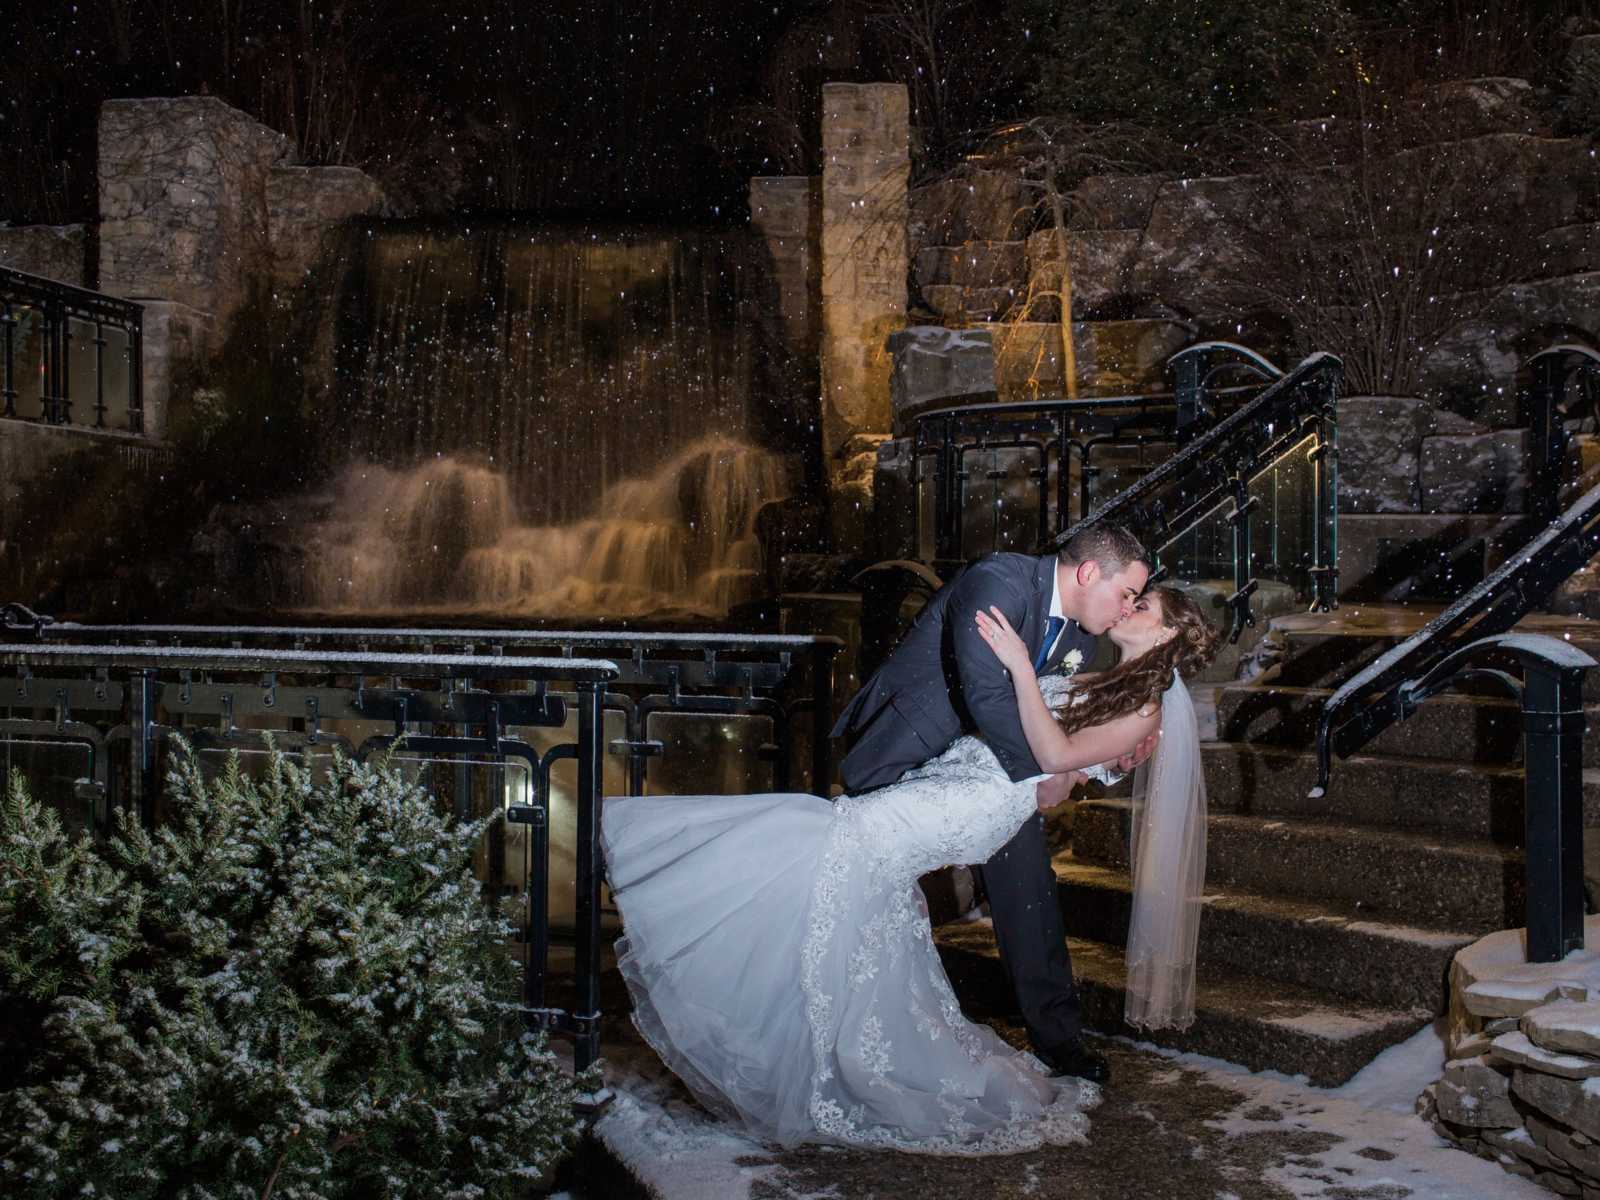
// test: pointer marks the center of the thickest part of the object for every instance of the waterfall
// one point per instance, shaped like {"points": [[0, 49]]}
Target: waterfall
{"points": [[447, 536], [551, 421]]}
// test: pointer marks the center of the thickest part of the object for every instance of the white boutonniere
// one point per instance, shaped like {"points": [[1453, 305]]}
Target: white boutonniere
{"points": [[1072, 661]]}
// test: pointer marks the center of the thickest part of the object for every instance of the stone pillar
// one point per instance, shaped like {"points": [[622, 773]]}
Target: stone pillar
{"points": [[786, 210], [866, 167]]}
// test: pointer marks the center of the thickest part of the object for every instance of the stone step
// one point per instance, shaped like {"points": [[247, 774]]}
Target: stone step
{"points": [[1378, 790], [1264, 1024], [1305, 942], [1326, 659], [1478, 729], [1432, 880]]}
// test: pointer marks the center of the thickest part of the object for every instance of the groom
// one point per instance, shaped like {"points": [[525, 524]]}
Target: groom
{"points": [[943, 679]]}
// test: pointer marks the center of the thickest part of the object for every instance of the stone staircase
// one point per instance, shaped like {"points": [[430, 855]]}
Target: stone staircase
{"points": [[1329, 922]]}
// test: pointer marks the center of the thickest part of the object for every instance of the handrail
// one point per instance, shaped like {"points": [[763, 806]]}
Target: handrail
{"points": [[1176, 416], [1553, 370], [59, 302], [1550, 692], [1383, 692], [1219, 463], [106, 696]]}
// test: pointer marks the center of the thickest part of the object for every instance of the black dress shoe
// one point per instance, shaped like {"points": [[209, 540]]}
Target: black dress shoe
{"points": [[1076, 1059]]}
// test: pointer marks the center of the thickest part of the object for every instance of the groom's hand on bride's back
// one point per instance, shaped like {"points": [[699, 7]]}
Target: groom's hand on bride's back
{"points": [[1140, 752], [1054, 791]]}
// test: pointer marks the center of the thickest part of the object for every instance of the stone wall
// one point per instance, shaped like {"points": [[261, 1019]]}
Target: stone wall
{"points": [[865, 141], [304, 204], [56, 252], [787, 212], [1524, 1053], [183, 200]]}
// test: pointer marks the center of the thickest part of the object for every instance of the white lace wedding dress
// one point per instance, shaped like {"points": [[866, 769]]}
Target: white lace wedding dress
{"points": [[780, 959]]}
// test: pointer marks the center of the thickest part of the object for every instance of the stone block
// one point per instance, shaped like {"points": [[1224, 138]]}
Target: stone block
{"points": [[978, 205], [1399, 557], [304, 204], [1519, 1142], [175, 336], [962, 304], [1568, 1101], [1516, 1050], [933, 364], [1471, 1092], [974, 265], [1575, 1149], [1113, 357], [1379, 442], [183, 204], [1518, 992], [1103, 266], [1567, 1027], [1114, 201], [1475, 473], [50, 251]]}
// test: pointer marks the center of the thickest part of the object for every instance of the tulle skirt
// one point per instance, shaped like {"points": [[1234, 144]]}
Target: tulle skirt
{"points": [[782, 965]]}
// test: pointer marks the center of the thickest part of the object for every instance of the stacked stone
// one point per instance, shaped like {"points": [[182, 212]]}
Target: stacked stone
{"points": [[1522, 1086]]}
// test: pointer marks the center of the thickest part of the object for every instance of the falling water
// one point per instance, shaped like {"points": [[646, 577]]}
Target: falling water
{"points": [[447, 535]]}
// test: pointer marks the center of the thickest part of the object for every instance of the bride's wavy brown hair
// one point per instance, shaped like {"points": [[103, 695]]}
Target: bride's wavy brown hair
{"points": [[1137, 681]]}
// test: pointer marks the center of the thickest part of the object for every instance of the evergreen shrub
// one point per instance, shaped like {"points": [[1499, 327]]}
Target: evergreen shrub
{"points": [[292, 988]]}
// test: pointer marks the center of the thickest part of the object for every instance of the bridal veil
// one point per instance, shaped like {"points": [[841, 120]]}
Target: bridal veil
{"points": [[1168, 857]]}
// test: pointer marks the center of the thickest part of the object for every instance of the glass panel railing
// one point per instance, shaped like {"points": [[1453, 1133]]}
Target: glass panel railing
{"points": [[56, 771], [28, 356], [726, 756]]}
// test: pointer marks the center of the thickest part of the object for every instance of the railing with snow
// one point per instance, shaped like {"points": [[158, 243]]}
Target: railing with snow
{"points": [[487, 718]]}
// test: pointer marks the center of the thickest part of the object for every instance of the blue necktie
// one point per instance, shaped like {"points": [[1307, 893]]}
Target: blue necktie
{"points": [[1052, 626]]}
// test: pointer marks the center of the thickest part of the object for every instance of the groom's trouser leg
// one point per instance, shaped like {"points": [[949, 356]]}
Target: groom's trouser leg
{"points": [[1024, 904]]}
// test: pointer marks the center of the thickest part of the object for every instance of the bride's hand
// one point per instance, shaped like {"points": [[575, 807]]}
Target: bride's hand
{"points": [[1003, 640]]}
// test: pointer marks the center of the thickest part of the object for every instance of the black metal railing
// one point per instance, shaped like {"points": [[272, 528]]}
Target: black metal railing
{"points": [[473, 707], [121, 705], [1033, 467], [1564, 388], [1473, 637], [67, 353], [1209, 491], [1545, 675]]}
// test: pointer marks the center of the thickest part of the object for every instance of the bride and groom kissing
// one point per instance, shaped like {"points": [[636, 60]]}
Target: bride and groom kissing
{"points": [[777, 947]]}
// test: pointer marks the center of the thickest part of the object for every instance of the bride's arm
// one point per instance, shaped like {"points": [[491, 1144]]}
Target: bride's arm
{"points": [[1053, 749]]}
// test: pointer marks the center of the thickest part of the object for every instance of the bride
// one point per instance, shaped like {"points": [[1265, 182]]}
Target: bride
{"points": [[777, 947]]}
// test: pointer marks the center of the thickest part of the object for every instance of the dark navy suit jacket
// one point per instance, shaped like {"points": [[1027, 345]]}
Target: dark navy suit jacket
{"points": [[943, 679]]}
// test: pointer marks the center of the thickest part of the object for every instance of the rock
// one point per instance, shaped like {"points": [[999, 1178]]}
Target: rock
{"points": [[1379, 438], [1511, 997], [1519, 1141], [956, 303], [1471, 1045], [1476, 472], [1501, 1025], [976, 206], [1103, 264], [974, 265], [1567, 1025], [1514, 1049], [1114, 201], [1562, 1185], [1566, 1144], [1567, 1100], [1473, 1093], [933, 364]]}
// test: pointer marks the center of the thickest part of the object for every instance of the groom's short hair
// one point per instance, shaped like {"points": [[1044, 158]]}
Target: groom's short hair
{"points": [[1109, 543]]}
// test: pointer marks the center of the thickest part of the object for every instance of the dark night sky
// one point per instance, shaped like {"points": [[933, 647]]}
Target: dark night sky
{"points": [[584, 105]]}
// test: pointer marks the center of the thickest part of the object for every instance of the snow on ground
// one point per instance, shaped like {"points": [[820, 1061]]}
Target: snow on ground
{"points": [[680, 1152], [1383, 1145]]}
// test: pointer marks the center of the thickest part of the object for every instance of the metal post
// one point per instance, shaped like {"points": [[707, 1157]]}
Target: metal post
{"points": [[591, 767], [99, 376], [8, 367], [141, 721], [1553, 725], [821, 718], [947, 508], [136, 374]]}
